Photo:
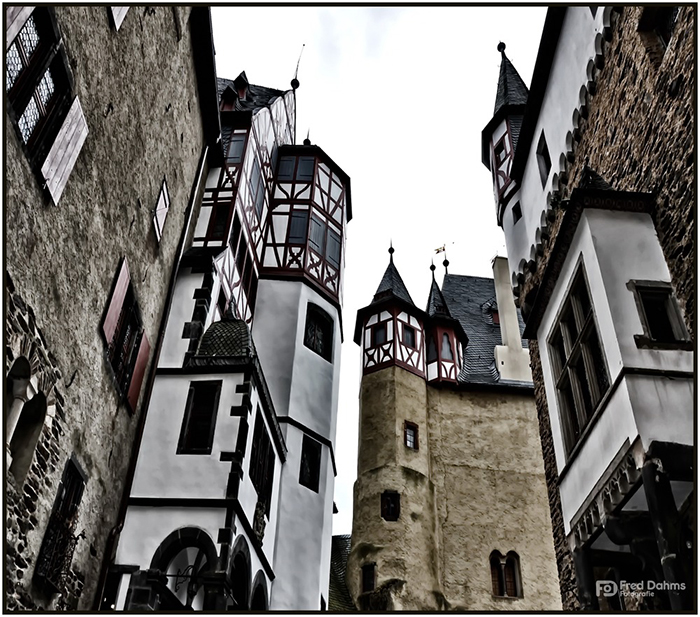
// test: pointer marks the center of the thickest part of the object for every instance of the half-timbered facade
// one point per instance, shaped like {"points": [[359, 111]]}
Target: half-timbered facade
{"points": [[599, 240], [233, 484], [446, 415]]}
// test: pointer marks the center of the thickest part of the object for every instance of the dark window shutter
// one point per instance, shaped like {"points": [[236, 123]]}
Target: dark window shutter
{"points": [[114, 306], [139, 372]]}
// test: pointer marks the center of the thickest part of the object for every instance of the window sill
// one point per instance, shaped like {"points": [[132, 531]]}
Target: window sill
{"points": [[494, 597], [644, 342]]}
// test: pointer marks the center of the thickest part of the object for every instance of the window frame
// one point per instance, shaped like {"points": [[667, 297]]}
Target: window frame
{"points": [[498, 565], [576, 349], [409, 327], [159, 220], [261, 469], [323, 323], [310, 445], [182, 446], [517, 212], [646, 340], [374, 328], [365, 570], [49, 54], [410, 426], [390, 503]]}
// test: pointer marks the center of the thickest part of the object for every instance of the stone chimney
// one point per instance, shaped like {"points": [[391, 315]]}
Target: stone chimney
{"points": [[512, 361]]}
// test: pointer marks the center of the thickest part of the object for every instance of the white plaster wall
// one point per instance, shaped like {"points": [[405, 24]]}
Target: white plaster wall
{"points": [[274, 332], [304, 530], [303, 385], [663, 408], [604, 441], [146, 527], [628, 248], [568, 73], [174, 346], [160, 471]]}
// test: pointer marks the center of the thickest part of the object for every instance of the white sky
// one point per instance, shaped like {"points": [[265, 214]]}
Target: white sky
{"points": [[398, 97]]}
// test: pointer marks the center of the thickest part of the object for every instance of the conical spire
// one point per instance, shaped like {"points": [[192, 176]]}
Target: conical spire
{"points": [[436, 301], [392, 284], [511, 88]]}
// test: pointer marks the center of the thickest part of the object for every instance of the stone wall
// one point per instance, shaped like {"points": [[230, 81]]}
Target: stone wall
{"points": [[137, 88], [639, 135], [486, 464]]}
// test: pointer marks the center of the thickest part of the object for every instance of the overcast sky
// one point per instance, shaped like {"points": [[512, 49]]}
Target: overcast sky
{"points": [[397, 96]]}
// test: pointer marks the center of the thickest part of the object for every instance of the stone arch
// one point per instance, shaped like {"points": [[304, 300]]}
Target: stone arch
{"points": [[240, 574], [259, 596]]}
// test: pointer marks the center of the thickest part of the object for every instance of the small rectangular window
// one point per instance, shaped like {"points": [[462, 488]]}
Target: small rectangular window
{"points": [[286, 169], [544, 163], [298, 227], [310, 469], [58, 545], [317, 236], [305, 171], [369, 571], [262, 463], [500, 151], [235, 149], [333, 248], [391, 505], [410, 435], [409, 336], [378, 334], [318, 332], [660, 315], [197, 433]]}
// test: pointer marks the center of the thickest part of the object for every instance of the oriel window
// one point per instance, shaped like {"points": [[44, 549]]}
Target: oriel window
{"points": [[578, 362]]}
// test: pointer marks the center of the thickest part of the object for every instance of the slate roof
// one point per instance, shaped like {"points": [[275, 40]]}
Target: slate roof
{"points": [[257, 98], [227, 338], [470, 299], [511, 88], [436, 301], [392, 285], [339, 598]]}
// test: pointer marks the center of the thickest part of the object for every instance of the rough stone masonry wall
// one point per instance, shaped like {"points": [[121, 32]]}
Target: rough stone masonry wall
{"points": [[137, 88], [491, 495], [639, 136]]}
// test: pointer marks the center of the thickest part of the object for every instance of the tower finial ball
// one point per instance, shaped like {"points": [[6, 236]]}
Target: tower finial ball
{"points": [[295, 83], [432, 267], [391, 250], [501, 47], [446, 263]]}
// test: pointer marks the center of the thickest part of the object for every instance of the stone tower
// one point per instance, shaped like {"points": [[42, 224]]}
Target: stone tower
{"points": [[450, 504]]}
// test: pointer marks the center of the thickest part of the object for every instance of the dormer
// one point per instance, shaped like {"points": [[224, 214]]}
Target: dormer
{"points": [[390, 330], [445, 339], [500, 137]]}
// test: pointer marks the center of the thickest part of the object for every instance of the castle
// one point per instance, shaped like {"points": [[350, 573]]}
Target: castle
{"points": [[193, 254], [594, 174]]}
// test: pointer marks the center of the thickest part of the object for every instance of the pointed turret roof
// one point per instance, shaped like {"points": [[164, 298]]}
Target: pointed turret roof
{"points": [[511, 88], [436, 302], [392, 284]]}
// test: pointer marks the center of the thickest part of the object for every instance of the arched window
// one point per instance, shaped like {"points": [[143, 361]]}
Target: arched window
{"points": [[446, 352], [505, 575], [259, 600]]}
